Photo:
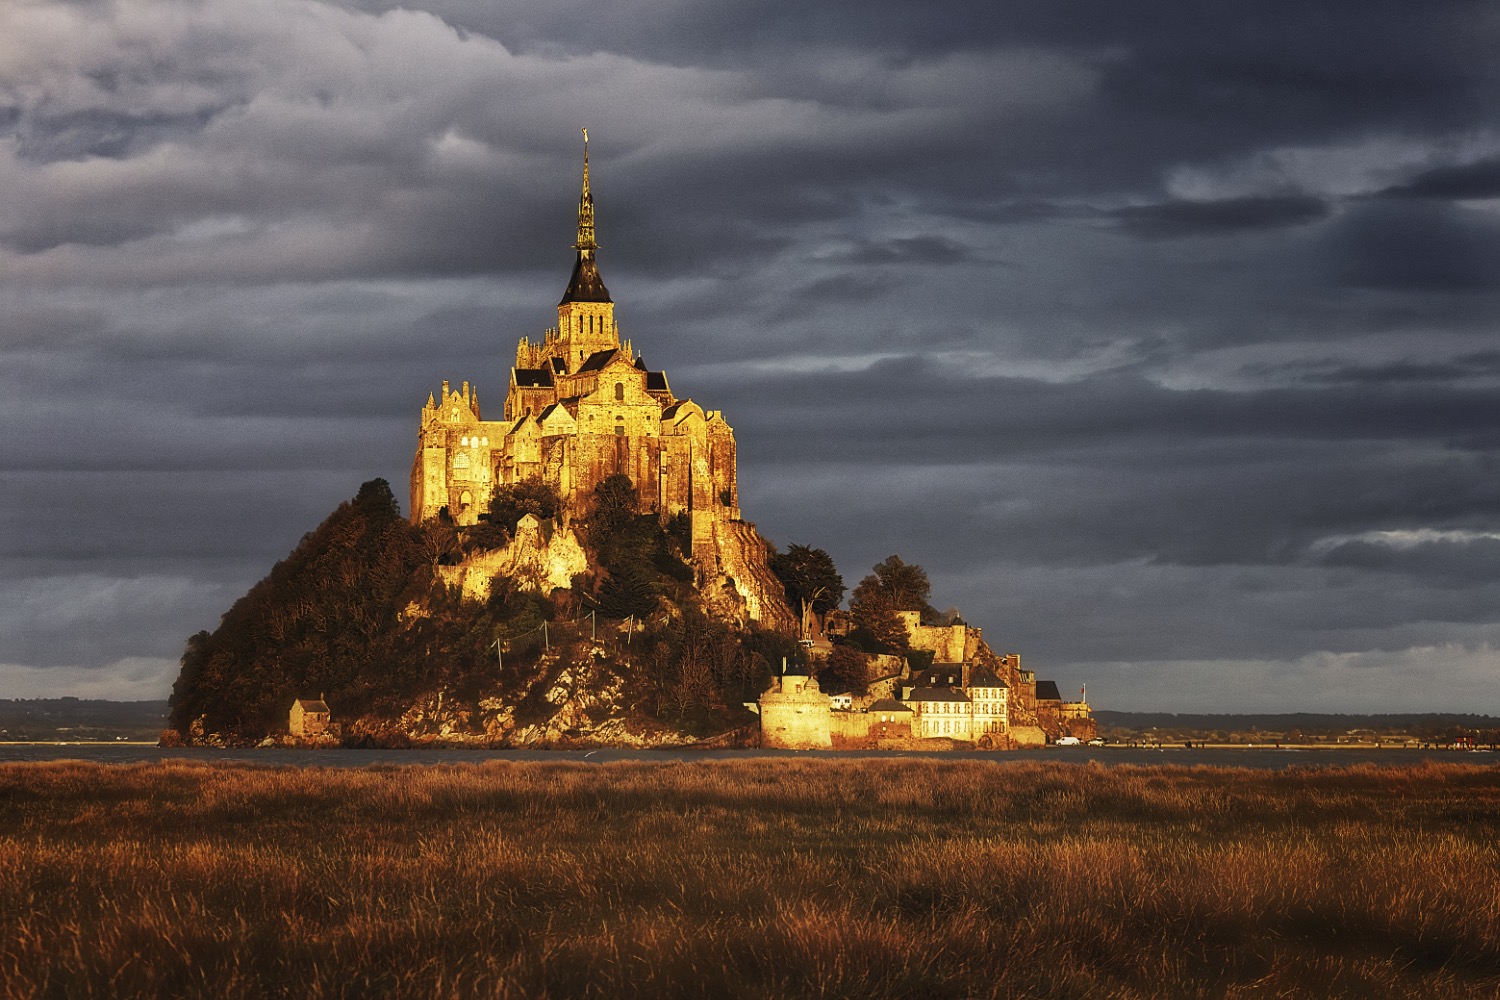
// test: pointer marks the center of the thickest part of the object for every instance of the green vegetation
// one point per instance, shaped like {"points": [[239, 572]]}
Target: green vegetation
{"points": [[811, 581], [764, 878], [325, 620]]}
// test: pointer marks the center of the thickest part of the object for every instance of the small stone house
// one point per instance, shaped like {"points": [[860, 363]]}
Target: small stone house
{"points": [[889, 719], [309, 718]]}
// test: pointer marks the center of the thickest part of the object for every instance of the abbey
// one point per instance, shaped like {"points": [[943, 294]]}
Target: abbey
{"points": [[580, 407]]}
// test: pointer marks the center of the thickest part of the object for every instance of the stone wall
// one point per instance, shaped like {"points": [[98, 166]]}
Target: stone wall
{"points": [[795, 715], [948, 643], [849, 725]]}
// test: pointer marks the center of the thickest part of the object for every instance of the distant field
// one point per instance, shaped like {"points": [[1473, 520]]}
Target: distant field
{"points": [[761, 878]]}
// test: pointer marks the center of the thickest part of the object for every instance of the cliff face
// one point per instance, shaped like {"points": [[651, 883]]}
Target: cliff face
{"points": [[579, 699], [736, 579]]}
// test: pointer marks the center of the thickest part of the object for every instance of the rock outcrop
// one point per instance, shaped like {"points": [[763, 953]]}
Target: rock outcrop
{"points": [[540, 558]]}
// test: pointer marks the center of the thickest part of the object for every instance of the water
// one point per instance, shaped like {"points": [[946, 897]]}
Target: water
{"points": [[1254, 757]]}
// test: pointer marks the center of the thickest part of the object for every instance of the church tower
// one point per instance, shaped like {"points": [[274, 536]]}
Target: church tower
{"points": [[586, 314]]}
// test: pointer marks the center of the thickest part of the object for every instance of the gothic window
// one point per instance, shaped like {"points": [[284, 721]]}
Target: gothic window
{"points": [[460, 462]]}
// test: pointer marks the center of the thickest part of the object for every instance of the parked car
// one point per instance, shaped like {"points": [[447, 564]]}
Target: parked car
{"points": [[1097, 741], [1068, 741]]}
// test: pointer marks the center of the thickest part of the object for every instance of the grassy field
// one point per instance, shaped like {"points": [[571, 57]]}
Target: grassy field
{"points": [[799, 878]]}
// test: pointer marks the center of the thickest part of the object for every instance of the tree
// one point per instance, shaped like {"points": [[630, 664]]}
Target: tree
{"points": [[811, 581], [514, 501], [615, 503], [629, 590], [906, 584], [876, 626], [326, 619], [440, 541], [847, 669]]}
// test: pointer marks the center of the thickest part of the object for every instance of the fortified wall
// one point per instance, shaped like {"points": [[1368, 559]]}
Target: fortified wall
{"points": [[794, 714]]}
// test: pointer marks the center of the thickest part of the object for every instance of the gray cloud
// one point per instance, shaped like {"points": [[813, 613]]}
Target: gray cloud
{"points": [[241, 243], [1480, 179], [1178, 219]]}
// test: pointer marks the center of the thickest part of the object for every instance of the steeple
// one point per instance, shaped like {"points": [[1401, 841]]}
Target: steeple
{"points": [[586, 245], [586, 285]]}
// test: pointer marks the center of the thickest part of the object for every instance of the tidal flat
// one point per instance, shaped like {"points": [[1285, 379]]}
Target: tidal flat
{"points": [[752, 878]]}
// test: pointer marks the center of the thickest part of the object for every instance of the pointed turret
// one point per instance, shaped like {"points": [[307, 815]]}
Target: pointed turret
{"points": [[586, 285]]}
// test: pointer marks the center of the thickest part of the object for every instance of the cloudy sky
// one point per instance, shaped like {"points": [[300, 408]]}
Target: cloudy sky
{"points": [[1163, 335]]}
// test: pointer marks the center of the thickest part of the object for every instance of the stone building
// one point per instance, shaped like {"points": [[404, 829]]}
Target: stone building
{"points": [[309, 718], [990, 697], [794, 714], [889, 719], [582, 406], [956, 643], [942, 711]]}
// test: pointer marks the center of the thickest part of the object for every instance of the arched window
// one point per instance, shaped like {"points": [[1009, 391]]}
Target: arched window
{"points": [[620, 426], [619, 391]]}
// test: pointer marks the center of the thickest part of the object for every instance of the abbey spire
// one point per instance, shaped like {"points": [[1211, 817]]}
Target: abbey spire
{"points": [[586, 285], [586, 245]]}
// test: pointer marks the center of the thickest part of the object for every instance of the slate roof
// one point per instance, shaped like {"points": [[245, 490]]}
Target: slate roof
{"points": [[656, 382], [531, 378], [950, 674], [585, 285], [1047, 691], [597, 361], [984, 677], [314, 706], [938, 694], [888, 705]]}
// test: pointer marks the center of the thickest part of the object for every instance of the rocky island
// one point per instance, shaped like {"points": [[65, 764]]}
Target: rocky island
{"points": [[578, 572]]}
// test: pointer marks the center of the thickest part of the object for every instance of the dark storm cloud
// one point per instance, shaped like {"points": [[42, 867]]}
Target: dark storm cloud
{"points": [[929, 249], [1455, 560], [1115, 468], [83, 134], [1480, 364], [1416, 246], [1480, 179], [242, 242], [1180, 219], [982, 418]]}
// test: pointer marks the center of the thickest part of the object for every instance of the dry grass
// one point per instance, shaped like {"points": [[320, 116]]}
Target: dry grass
{"points": [[756, 878]]}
